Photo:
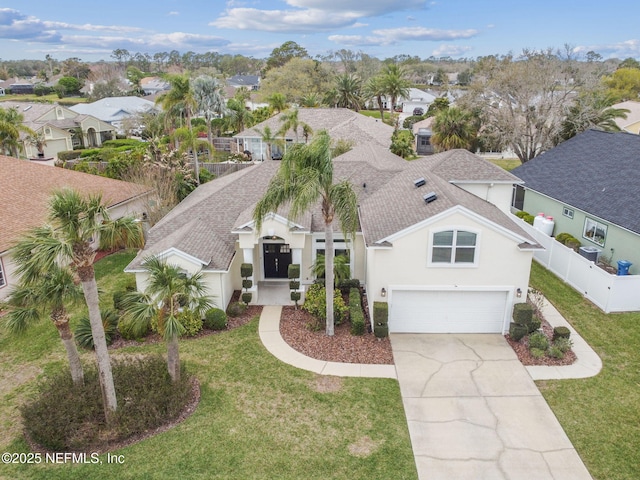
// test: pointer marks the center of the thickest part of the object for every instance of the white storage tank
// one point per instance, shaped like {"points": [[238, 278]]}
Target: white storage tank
{"points": [[537, 221], [546, 226]]}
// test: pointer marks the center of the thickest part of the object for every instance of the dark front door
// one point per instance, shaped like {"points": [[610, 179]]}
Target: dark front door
{"points": [[277, 258]]}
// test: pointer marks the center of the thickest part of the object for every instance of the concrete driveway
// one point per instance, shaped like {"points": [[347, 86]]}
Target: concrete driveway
{"points": [[475, 413]]}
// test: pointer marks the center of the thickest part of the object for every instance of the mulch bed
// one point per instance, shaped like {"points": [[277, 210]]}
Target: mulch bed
{"points": [[342, 347], [524, 355]]}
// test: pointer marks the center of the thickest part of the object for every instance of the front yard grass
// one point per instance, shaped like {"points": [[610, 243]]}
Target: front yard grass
{"points": [[601, 415], [257, 417]]}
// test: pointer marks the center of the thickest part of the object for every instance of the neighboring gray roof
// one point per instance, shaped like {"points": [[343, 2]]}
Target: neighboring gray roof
{"points": [[202, 225], [243, 80], [113, 109], [30, 111], [596, 172], [463, 166], [340, 123]]}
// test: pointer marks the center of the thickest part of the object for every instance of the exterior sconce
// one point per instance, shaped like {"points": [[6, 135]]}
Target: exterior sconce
{"points": [[383, 292], [518, 293]]}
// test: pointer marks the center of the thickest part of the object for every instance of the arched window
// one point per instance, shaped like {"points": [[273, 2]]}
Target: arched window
{"points": [[454, 246]]}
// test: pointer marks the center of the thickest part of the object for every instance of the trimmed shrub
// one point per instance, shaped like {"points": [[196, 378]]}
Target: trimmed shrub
{"points": [[356, 314], [294, 285], [522, 214], [564, 344], [129, 142], [246, 297], [246, 270], [191, 322], [380, 313], [315, 303], [562, 237], [247, 284], [529, 219], [538, 340], [522, 313], [346, 285], [77, 421], [555, 352], [381, 330], [534, 325], [561, 332], [536, 352], [215, 319], [68, 155], [295, 297], [84, 336], [236, 309], [517, 332], [293, 271]]}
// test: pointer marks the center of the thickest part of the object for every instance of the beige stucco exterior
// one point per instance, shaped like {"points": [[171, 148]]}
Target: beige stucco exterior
{"points": [[497, 193]]}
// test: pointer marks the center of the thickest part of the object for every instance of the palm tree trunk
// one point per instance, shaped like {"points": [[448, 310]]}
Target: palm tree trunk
{"points": [[90, 289], [379, 98], [210, 138], [173, 359], [77, 374], [329, 275]]}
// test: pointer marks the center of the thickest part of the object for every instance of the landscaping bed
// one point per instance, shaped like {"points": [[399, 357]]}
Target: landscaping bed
{"points": [[524, 354], [342, 347]]}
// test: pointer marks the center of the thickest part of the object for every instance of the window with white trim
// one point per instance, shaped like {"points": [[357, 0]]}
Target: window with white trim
{"points": [[567, 212], [454, 247], [3, 281], [594, 231]]}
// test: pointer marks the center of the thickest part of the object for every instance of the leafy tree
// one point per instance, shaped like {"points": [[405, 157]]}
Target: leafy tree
{"points": [[453, 128], [49, 294], [169, 290], [402, 143], [439, 104], [297, 78], [629, 63], [285, 52], [348, 88], [10, 128], [70, 85], [73, 223], [304, 178], [74, 67], [624, 84]]}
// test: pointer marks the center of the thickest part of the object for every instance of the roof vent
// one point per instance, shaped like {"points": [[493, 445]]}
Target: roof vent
{"points": [[419, 182], [430, 197]]}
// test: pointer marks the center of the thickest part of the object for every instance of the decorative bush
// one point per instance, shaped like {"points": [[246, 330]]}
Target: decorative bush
{"points": [[315, 303], [561, 332], [555, 352], [564, 344], [534, 325], [293, 271], [215, 319], [517, 332], [346, 285], [380, 313], [77, 421], [247, 284], [562, 237], [128, 332], [522, 313], [294, 285], [84, 336], [295, 297], [529, 219], [522, 214], [191, 322], [68, 155], [246, 270], [537, 353], [236, 309], [538, 340], [356, 314], [246, 297], [381, 330]]}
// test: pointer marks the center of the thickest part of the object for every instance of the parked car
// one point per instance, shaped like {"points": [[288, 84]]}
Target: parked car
{"points": [[418, 111]]}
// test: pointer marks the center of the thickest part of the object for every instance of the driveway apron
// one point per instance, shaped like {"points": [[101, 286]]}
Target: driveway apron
{"points": [[475, 413]]}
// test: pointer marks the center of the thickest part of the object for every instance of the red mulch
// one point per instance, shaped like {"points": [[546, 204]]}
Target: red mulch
{"points": [[522, 350], [342, 347]]}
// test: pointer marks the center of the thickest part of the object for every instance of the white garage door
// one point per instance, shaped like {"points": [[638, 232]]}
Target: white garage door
{"points": [[419, 311]]}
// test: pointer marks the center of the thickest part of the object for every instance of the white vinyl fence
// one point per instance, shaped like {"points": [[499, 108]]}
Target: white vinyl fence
{"points": [[611, 293]]}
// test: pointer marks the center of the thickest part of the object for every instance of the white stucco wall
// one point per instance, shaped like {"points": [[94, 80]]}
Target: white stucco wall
{"points": [[498, 194]]}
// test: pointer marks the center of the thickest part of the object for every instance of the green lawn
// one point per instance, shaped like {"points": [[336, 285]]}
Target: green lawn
{"points": [[506, 163], [376, 114], [257, 418], [601, 415], [51, 98]]}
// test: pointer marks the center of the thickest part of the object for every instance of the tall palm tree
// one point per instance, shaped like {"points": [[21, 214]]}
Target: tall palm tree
{"points": [[169, 290], [290, 121], [10, 128], [48, 295], [591, 110], [238, 117], [277, 101], [348, 87], [375, 88], [74, 223], [453, 128], [395, 84], [304, 178], [209, 98], [270, 138], [179, 101]]}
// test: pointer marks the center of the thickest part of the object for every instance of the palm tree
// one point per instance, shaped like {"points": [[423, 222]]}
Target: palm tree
{"points": [[73, 225], [348, 87], [49, 295], [341, 268], [169, 290], [311, 100], [395, 84], [290, 121], [453, 128], [238, 116], [10, 128], [269, 138], [209, 98], [179, 101], [591, 110], [375, 88], [306, 176], [277, 101]]}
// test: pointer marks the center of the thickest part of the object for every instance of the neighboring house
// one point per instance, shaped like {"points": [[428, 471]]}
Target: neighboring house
{"points": [[251, 82], [154, 85], [444, 254], [589, 185], [25, 194], [422, 132], [631, 123], [340, 123], [416, 98], [114, 110], [62, 128]]}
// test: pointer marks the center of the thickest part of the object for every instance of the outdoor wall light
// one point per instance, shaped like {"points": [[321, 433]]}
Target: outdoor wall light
{"points": [[383, 292], [518, 293]]}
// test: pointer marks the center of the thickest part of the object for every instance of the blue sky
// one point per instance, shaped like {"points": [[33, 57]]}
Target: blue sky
{"points": [[382, 28]]}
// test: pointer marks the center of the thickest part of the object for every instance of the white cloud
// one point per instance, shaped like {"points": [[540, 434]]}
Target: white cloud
{"points": [[624, 49], [283, 20], [390, 36], [355, 40], [173, 14], [451, 50], [364, 8]]}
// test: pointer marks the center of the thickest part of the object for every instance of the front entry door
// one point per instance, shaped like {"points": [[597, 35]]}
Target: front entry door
{"points": [[277, 258]]}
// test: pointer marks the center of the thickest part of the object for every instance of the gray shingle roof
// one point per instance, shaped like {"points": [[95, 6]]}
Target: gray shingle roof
{"points": [[596, 172]]}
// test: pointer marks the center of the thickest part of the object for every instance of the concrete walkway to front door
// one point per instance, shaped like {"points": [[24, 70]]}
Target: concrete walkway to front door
{"points": [[475, 413]]}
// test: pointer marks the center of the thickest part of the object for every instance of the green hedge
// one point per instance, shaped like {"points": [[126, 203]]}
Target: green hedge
{"points": [[215, 319], [380, 313], [522, 313], [355, 312]]}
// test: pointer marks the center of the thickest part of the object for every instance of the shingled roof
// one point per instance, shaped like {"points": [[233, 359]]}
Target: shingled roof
{"points": [[26, 188], [596, 172], [206, 223]]}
